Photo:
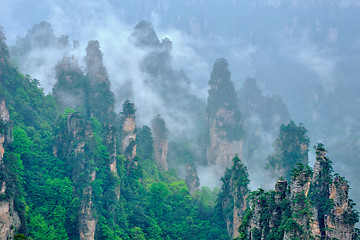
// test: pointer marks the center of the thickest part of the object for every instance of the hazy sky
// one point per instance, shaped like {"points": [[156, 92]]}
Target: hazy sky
{"points": [[304, 50]]}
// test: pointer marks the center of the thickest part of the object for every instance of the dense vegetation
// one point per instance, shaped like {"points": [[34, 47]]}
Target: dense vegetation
{"points": [[47, 188], [291, 147], [70, 165]]}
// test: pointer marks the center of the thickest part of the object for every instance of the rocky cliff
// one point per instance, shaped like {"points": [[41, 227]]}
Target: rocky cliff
{"points": [[340, 221], [314, 206], [101, 98], [9, 218], [234, 195], [224, 125], [75, 143], [160, 142], [128, 134]]}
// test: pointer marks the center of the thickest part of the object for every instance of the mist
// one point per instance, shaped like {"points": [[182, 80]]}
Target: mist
{"points": [[308, 54]]}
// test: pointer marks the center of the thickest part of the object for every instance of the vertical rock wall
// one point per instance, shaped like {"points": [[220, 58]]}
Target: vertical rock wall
{"points": [[160, 142], [74, 143], [9, 218]]}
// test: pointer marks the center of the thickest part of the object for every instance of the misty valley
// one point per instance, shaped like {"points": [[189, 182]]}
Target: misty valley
{"points": [[106, 146]]}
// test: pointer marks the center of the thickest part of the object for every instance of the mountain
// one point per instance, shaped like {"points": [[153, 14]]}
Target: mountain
{"points": [[73, 166]]}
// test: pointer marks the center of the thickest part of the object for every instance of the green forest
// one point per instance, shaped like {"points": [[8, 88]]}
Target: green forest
{"points": [[73, 167]]}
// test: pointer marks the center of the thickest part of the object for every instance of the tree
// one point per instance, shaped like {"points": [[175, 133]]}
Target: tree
{"points": [[291, 147]]}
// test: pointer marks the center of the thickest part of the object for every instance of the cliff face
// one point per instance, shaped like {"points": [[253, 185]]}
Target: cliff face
{"points": [[5, 131], [224, 125], [320, 187], [101, 98], [299, 206], [128, 134], [315, 207], [160, 142], [220, 150], [340, 222], [233, 196], [9, 218], [192, 180], [74, 143]]}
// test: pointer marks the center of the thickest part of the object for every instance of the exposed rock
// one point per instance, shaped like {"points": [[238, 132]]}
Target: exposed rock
{"points": [[4, 130], [340, 223], [233, 196], [9, 218], [87, 222], [191, 179], [299, 205], [160, 140], [320, 186], [74, 142], [220, 150], [100, 97], [306, 210], [4, 113], [280, 194], [111, 140], [128, 134], [225, 131]]}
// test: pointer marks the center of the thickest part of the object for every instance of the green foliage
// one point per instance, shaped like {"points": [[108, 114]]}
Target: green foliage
{"points": [[222, 92], [128, 108], [245, 223], [222, 95], [291, 147], [301, 169], [144, 149]]}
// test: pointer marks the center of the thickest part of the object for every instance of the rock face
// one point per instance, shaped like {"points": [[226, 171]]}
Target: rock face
{"points": [[299, 206], [9, 218], [315, 207], [111, 141], [160, 142], [233, 195], [192, 180], [4, 130], [320, 187], [225, 131], [89, 94], [74, 144], [220, 150], [128, 134], [340, 222], [101, 98]]}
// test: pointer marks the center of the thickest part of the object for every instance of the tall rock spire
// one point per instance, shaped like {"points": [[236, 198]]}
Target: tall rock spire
{"points": [[160, 136], [234, 194], [128, 134], [223, 115], [101, 99]]}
